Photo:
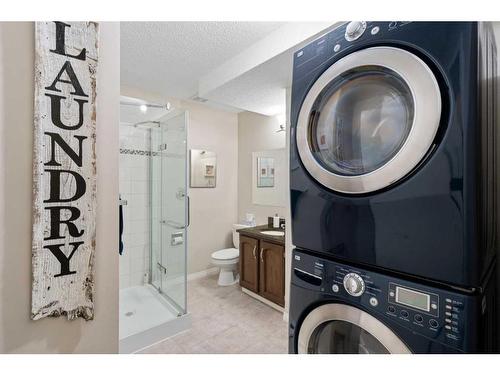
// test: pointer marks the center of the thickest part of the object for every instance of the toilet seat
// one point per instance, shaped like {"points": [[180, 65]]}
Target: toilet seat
{"points": [[226, 254]]}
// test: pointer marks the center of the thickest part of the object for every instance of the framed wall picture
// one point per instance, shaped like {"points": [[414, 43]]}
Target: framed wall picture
{"points": [[265, 172]]}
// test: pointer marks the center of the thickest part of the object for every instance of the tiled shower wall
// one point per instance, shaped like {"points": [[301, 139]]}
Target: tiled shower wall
{"points": [[135, 189]]}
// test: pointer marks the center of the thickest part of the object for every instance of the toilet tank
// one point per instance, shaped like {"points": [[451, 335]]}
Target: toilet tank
{"points": [[236, 235]]}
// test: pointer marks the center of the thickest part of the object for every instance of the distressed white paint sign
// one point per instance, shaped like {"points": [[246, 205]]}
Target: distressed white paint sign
{"points": [[64, 169]]}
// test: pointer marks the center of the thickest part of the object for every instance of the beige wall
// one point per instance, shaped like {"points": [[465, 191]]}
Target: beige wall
{"points": [[255, 133], [213, 210], [18, 334]]}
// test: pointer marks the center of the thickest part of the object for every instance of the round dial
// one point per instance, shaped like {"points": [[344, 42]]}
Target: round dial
{"points": [[354, 30], [354, 284]]}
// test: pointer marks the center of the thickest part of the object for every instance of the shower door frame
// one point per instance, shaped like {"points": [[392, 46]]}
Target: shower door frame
{"points": [[173, 114]]}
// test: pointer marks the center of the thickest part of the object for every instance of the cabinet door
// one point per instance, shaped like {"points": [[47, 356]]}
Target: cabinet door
{"points": [[249, 266], [272, 272]]}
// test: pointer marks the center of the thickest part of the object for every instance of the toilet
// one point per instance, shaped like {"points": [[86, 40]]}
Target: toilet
{"points": [[227, 259]]}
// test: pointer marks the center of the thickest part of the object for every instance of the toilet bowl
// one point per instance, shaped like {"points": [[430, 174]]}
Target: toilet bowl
{"points": [[227, 260]]}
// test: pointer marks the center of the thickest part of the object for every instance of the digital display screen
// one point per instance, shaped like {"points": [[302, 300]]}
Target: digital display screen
{"points": [[413, 298]]}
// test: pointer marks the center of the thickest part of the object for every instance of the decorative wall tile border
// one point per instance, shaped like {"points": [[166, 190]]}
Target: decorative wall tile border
{"points": [[129, 151]]}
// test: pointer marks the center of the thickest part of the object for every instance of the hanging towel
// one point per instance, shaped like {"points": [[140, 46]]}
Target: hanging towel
{"points": [[120, 250]]}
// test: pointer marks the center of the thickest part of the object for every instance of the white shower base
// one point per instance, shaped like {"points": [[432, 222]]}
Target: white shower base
{"points": [[147, 318]]}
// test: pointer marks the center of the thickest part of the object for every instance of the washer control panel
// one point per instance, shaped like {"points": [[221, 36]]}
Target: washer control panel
{"points": [[438, 314]]}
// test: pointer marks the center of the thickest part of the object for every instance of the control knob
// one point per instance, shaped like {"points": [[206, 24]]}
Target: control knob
{"points": [[354, 30], [354, 284]]}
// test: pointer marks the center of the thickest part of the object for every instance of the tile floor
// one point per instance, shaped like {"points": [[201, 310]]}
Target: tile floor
{"points": [[225, 320]]}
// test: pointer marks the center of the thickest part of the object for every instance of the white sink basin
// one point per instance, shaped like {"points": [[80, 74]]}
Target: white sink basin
{"points": [[273, 233]]}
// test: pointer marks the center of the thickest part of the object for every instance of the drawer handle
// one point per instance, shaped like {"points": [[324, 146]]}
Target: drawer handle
{"points": [[254, 255]]}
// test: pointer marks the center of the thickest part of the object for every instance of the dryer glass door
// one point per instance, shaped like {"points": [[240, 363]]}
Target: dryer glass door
{"points": [[335, 328], [369, 120], [361, 120]]}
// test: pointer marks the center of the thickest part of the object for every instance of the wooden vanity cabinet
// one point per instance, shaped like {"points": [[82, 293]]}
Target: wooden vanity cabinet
{"points": [[262, 268], [249, 265], [272, 272]]}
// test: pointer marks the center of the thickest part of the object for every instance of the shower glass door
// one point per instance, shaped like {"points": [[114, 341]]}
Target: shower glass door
{"points": [[169, 208]]}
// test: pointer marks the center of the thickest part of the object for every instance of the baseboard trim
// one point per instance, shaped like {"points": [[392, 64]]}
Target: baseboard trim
{"points": [[263, 300], [285, 316]]}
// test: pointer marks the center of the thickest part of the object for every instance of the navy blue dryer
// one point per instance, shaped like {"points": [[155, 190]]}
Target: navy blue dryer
{"points": [[393, 160]]}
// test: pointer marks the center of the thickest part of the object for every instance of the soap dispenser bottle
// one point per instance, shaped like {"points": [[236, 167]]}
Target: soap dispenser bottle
{"points": [[276, 221]]}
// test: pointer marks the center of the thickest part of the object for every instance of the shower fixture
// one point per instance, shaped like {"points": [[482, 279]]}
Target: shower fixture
{"points": [[144, 105], [144, 124]]}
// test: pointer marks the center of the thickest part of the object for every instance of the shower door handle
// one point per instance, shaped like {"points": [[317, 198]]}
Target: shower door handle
{"points": [[188, 211], [161, 267]]}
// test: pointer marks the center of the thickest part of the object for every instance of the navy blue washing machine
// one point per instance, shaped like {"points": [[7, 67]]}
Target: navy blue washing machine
{"points": [[338, 308], [393, 148]]}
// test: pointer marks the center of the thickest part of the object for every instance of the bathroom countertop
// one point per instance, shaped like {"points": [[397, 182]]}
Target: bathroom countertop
{"points": [[256, 232]]}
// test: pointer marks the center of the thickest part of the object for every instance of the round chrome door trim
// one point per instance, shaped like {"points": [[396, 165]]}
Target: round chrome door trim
{"points": [[427, 113], [353, 315]]}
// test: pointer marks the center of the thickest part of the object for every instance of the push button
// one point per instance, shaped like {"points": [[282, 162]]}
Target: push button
{"points": [[373, 301], [433, 323]]}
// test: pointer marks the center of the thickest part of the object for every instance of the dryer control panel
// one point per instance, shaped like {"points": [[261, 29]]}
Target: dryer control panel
{"points": [[438, 314], [342, 39]]}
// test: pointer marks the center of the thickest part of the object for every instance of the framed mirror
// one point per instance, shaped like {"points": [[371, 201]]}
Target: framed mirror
{"points": [[265, 172], [269, 178], [203, 169]]}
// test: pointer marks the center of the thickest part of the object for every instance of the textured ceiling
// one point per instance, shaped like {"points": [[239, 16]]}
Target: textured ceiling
{"points": [[169, 58], [262, 89]]}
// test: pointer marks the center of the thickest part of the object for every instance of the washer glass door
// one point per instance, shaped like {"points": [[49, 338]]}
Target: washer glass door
{"points": [[335, 328], [368, 120], [343, 338]]}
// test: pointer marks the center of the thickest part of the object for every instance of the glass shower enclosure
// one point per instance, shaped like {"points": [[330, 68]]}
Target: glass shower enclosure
{"points": [[153, 187], [169, 208]]}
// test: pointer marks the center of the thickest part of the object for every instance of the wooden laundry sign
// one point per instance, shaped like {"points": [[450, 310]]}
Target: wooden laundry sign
{"points": [[64, 169]]}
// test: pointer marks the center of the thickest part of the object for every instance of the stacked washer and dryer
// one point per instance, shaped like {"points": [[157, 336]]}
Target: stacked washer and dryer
{"points": [[394, 189]]}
